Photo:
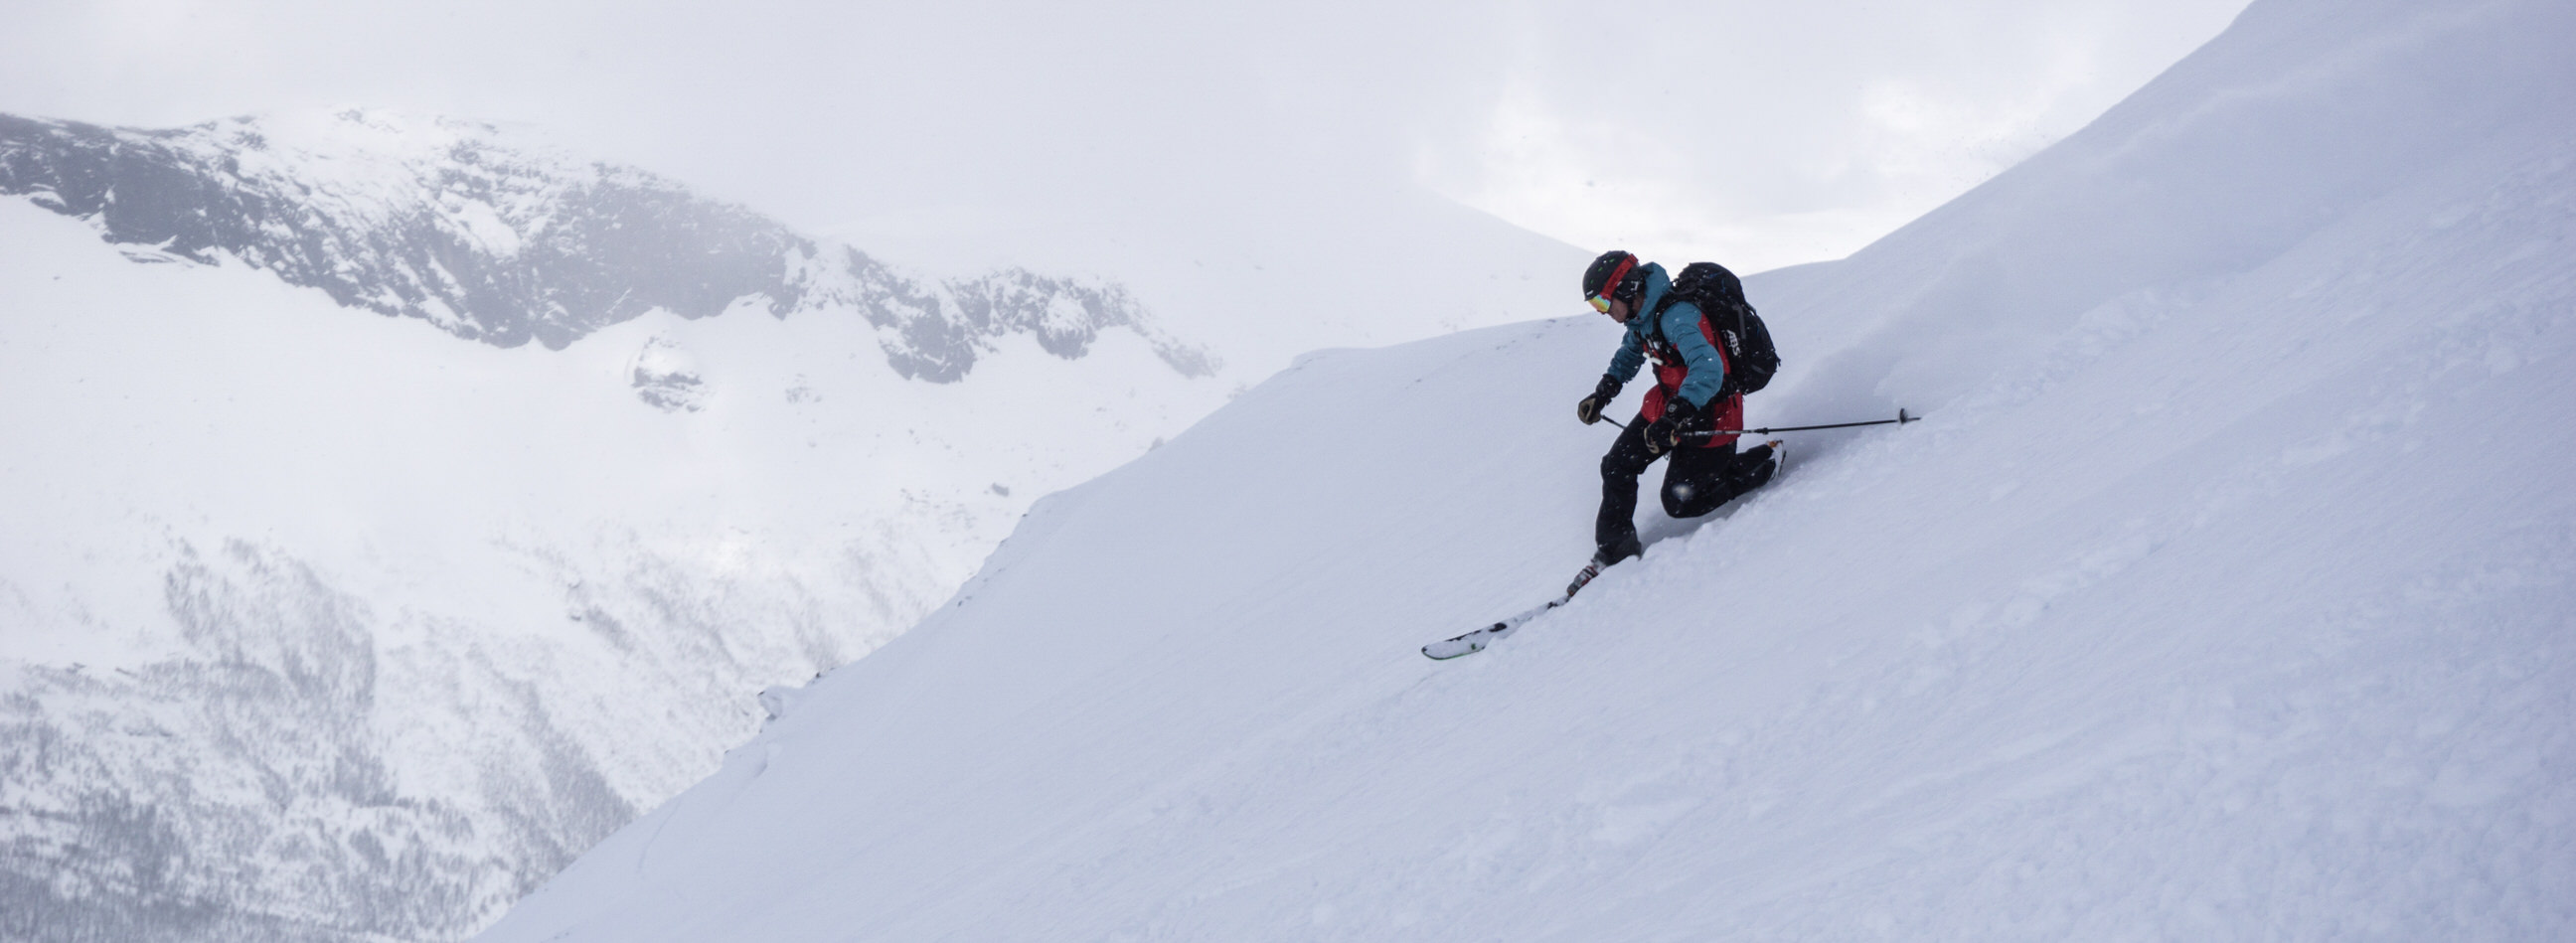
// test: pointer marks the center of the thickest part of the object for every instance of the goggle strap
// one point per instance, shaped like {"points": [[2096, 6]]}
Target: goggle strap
{"points": [[1610, 288]]}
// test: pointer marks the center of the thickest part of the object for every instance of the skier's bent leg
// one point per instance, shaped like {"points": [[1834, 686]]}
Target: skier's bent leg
{"points": [[1696, 480], [1702, 480]]}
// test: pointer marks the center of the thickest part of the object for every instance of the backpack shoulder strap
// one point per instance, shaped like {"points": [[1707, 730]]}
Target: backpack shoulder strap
{"points": [[1672, 297]]}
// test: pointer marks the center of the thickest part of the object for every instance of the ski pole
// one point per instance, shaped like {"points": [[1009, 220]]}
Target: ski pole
{"points": [[1902, 417]]}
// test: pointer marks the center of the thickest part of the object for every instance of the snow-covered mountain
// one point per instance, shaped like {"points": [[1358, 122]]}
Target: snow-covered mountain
{"points": [[322, 625], [2226, 594], [501, 239]]}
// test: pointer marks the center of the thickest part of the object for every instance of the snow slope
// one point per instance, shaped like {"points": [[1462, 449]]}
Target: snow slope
{"points": [[2226, 594]]}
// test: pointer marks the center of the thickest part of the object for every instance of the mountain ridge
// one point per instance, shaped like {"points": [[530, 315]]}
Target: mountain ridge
{"points": [[460, 224]]}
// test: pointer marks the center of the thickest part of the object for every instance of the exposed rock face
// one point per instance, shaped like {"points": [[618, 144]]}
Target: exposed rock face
{"points": [[665, 379], [504, 242], [236, 791]]}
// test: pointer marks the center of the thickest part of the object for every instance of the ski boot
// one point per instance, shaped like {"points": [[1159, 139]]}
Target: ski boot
{"points": [[1606, 558]]}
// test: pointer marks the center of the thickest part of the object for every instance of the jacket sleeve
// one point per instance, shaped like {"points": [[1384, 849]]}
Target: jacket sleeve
{"points": [[1707, 369], [1631, 355]]}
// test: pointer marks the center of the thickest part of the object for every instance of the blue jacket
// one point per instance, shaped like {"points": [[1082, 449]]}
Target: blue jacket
{"points": [[1707, 371]]}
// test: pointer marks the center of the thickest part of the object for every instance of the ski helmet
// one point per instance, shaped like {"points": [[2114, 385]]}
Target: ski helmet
{"points": [[1612, 277]]}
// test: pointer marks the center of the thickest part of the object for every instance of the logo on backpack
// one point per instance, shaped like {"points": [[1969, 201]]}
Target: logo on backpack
{"points": [[1719, 295]]}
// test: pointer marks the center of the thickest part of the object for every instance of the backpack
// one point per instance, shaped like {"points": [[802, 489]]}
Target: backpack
{"points": [[1750, 357]]}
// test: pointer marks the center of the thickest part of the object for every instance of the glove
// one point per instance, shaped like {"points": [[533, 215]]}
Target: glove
{"points": [[1602, 393], [1667, 430]]}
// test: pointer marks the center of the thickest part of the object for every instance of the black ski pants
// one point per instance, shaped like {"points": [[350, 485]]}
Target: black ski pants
{"points": [[1696, 481]]}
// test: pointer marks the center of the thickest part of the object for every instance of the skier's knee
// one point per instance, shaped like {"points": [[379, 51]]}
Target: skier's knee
{"points": [[1677, 499], [1694, 498]]}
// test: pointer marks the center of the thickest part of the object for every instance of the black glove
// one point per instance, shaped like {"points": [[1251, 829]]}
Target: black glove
{"points": [[1667, 430], [1602, 393]]}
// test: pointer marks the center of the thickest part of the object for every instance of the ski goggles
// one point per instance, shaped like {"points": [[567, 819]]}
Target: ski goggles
{"points": [[1599, 303]]}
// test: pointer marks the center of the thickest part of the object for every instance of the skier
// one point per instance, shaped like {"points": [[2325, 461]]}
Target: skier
{"points": [[1678, 416]]}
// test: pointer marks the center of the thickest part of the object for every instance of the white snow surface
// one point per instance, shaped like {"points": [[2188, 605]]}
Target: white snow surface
{"points": [[2225, 594]]}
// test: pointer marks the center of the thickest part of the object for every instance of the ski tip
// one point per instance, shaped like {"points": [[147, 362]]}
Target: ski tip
{"points": [[1902, 418], [1467, 644]]}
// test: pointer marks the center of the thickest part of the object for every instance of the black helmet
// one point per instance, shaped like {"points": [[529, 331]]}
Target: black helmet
{"points": [[1613, 277]]}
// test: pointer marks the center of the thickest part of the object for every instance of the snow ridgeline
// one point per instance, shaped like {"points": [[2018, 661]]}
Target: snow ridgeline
{"points": [[2226, 594], [498, 238]]}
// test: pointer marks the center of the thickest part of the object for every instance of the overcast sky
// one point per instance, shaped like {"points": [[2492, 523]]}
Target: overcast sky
{"points": [[1756, 133]]}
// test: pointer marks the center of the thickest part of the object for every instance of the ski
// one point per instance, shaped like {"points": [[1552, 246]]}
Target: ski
{"points": [[1476, 641]]}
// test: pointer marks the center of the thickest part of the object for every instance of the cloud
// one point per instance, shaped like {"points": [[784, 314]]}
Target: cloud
{"points": [[1757, 133], [1766, 134]]}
